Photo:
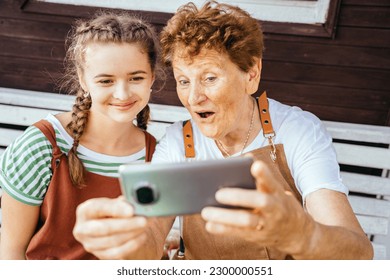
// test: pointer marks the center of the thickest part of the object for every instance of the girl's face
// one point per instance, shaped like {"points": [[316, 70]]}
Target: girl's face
{"points": [[118, 76]]}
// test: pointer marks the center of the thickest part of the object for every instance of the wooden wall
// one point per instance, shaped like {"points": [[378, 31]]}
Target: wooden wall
{"points": [[341, 78]]}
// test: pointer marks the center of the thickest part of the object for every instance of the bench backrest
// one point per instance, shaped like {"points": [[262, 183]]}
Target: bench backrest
{"points": [[357, 146], [363, 151]]}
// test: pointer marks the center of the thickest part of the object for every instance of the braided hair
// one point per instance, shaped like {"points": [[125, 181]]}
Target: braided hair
{"points": [[104, 27]]}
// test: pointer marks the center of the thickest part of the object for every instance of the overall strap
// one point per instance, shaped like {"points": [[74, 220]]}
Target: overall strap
{"points": [[266, 124], [48, 130], [265, 118], [188, 139], [150, 146]]}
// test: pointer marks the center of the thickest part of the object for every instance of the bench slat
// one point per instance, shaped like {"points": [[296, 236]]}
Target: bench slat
{"points": [[22, 115], [157, 129], [8, 135], [373, 225], [366, 183], [167, 113], [358, 132], [379, 251], [44, 100], [370, 206], [363, 156]]}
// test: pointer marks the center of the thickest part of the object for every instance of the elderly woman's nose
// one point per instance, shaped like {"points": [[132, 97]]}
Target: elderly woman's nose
{"points": [[196, 94]]}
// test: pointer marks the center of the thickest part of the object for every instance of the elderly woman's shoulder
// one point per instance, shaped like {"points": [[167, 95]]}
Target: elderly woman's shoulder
{"points": [[175, 129], [282, 114]]}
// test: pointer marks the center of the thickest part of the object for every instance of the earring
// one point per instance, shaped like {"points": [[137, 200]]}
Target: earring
{"points": [[151, 90], [86, 94]]}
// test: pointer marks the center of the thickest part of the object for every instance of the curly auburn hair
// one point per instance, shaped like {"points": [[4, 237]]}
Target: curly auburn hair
{"points": [[104, 27], [220, 27]]}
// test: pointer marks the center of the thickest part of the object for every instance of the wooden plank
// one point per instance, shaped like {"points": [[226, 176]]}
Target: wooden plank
{"points": [[157, 129], [325, 54], [321, 95], [365, 16], [370, 206], [373, 225], [34, 30], [345, 36], [366, 184], [8, 135], [380, 251], [36, 99], [32, 49], [352, 36], [22, 115], [28, 66], [384, 3], [358, 132], [167, 113], [364, 156], [15, 9], [342, 114], [326, 75], [41, 83]]}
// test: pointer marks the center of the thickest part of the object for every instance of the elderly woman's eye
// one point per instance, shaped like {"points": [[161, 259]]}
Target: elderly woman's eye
{"points": [[183, 82], [211, 79]]}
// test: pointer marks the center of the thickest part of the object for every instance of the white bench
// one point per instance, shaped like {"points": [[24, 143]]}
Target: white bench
{"points": [[369, 194]]}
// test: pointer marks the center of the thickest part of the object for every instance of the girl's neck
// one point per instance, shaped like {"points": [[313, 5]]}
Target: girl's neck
{"points": [[112, 138]]}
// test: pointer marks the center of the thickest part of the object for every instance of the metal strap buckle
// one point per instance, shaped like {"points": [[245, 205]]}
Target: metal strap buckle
{"points": [[272, 153]]}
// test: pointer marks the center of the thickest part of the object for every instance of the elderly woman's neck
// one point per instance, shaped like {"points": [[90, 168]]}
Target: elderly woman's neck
{"points": [[245, 132]]}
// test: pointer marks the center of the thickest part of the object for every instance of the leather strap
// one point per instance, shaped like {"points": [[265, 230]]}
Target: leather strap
{"points": [[47, 129], [265, 118], [188, 139], [150, 146]]}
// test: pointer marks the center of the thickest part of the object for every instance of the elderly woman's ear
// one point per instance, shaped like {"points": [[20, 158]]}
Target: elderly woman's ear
{"points": [[253, 77]]}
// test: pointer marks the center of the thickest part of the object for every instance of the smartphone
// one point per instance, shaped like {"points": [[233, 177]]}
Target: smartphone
{"points": [[165, 189]]}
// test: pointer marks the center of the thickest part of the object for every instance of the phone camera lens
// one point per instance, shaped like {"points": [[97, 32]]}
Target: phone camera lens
{"points": [[145, 194]]}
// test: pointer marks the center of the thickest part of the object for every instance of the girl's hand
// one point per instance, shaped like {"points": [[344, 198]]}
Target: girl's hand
{"points": [[108, 228]]}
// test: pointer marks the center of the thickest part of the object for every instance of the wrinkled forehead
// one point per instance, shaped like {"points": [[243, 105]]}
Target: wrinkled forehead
{"points": [[184, 55]]}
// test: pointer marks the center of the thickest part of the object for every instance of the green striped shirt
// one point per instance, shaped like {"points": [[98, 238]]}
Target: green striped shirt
{"points": [[25, 166]]}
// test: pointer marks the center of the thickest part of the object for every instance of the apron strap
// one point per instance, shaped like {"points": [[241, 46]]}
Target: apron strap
{"points": [[150, 146], [47, 129], [188, 137], [266, 124], [265, 117]]}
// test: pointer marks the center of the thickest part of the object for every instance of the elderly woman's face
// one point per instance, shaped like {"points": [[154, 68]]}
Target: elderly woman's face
{"points": [[214, 90]]}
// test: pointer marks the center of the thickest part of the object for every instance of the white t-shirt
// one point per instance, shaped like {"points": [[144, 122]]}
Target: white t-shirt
{"points": [[308, 147]]}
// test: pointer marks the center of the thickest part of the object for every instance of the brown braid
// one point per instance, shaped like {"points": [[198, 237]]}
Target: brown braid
{"points": [[104, 27], [80, 112], [143, 118]]}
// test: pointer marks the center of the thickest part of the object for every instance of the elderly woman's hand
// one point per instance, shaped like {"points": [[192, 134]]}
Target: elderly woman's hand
{"points": [[272, 216], [108, 228]]}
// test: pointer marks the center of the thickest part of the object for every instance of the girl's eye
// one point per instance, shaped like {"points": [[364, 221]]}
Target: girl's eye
{"points": [[137, 78], [105, 82]]}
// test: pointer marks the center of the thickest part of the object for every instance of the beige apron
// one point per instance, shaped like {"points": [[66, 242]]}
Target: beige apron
{"points": [[199, 244]]}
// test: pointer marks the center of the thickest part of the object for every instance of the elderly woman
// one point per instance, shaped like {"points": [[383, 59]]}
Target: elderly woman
{"points": [[300, 209]]}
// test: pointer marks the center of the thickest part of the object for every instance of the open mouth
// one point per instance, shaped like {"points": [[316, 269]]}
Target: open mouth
{"points": [[205, 115]]}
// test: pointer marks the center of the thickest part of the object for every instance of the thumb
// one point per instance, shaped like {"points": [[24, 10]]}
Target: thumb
{"points": [[265, 180]]}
